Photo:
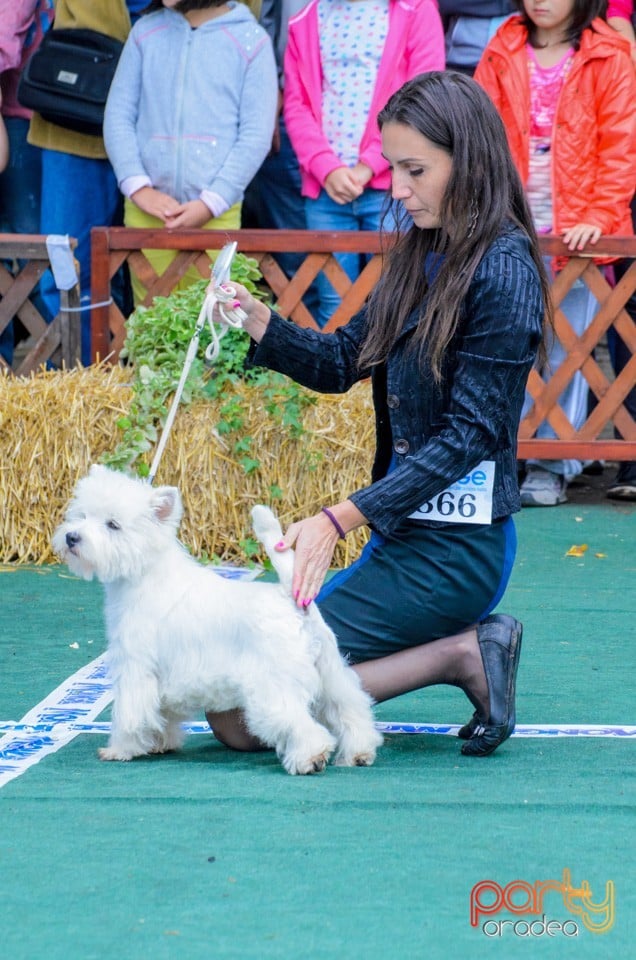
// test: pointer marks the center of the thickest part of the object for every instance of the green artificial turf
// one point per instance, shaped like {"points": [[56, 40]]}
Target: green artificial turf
{"points": [[214, 854]]}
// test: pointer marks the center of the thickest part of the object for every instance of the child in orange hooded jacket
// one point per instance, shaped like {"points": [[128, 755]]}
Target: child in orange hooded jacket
{"points": [[565, 86]]}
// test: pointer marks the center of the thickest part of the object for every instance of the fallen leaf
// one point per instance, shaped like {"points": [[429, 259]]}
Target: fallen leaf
{"points": [[600, 555], [577, 550]]}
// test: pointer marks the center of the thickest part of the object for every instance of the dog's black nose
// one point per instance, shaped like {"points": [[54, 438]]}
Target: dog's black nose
{"points": [[72, 539]]}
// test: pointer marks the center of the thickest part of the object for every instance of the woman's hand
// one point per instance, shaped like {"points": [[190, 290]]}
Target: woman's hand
{"points": [[256, 313], [314, 540]]}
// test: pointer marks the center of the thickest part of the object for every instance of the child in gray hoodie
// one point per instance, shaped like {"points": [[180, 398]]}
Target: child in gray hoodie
{"points": [[190, 117]]}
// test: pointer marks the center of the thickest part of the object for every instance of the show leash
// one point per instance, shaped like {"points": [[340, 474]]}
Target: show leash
{"points": [[232, 316], [231, 313]]}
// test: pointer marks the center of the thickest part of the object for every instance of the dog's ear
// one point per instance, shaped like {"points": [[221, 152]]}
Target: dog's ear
{"points": [[166, 505]]}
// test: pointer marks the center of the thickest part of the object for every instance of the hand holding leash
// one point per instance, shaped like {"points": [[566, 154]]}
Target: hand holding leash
{"points": [[222, 311], [235, 306]]}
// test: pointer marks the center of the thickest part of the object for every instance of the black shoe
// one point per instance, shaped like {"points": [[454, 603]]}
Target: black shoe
{"points": [[466, 732], [499, 639]]}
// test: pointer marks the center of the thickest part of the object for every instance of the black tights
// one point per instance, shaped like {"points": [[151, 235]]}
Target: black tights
{"points": [[455, 661]]}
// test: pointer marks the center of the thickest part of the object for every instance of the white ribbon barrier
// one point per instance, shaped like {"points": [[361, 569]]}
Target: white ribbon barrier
{"points": [[72, 708]]}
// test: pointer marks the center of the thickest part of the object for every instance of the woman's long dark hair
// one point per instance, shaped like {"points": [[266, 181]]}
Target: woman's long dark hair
{"points": [[484, 192], [583, 12]]}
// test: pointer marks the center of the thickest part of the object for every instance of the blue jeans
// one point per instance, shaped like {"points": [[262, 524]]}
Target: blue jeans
{"points": [[20, 190], [363, 213], [579, 306], [77, 194]]}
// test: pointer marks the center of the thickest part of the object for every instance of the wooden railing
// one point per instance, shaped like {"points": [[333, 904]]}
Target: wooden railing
{"points": [[57, 342], [111, 247]]}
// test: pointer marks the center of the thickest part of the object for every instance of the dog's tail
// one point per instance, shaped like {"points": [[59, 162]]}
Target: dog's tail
{"points": [[269, 532]]}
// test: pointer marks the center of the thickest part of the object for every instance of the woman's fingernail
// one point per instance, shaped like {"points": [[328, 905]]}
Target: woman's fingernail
{"points": [[236, 303]]}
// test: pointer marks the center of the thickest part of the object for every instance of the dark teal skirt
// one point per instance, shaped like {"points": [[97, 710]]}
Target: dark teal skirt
{"points": [[421, 584]]}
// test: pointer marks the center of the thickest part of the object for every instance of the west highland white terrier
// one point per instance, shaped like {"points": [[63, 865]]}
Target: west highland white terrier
{"points": [[182, 638]]}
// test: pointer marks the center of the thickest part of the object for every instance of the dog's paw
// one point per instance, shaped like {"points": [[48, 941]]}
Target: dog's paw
{"points": [[355, 760], [111, 753], [307, 765], [305, 760], [169, 741], [358, 751]]}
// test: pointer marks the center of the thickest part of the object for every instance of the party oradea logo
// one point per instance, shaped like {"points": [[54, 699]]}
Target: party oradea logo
{"points": [[532, 903]]}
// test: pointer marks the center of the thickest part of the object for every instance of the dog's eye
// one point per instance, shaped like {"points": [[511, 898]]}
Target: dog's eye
{"points": [[112, 525]]}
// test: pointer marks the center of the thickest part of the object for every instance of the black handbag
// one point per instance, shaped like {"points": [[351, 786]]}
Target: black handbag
{"points": [[68, 77]]}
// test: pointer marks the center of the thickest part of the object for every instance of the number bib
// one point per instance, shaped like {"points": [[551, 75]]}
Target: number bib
{"points": [[468, 500]]}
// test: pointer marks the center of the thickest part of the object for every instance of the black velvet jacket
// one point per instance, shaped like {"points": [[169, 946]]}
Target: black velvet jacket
{"points": [[434, 434]]}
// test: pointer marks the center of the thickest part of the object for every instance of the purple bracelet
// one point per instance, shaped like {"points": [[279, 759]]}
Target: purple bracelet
{"points": [[341, 532]]}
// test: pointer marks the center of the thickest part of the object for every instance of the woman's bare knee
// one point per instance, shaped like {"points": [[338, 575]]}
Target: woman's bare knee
{"points": [[229, 728]]}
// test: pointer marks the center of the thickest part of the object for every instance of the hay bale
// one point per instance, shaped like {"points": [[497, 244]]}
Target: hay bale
{"points": [[54, 424]]}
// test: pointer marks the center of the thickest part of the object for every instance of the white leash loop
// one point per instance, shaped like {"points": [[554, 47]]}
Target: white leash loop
{"points": [[232, 316]]}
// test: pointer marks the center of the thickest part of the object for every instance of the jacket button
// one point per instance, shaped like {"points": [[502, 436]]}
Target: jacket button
{"points": [[401, 446], [392, 401]]}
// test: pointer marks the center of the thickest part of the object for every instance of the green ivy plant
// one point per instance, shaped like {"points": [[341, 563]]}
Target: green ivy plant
{"points": [[157, 340]]}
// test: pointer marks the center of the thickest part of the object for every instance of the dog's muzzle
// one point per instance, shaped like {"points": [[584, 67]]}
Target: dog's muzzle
{"points": [[72, 539]]}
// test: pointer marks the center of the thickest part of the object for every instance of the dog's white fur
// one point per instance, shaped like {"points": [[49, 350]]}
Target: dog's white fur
{"points": [[182, 638]]}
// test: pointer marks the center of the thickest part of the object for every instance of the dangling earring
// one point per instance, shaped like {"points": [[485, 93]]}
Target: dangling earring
{"points": [[474, 216]]}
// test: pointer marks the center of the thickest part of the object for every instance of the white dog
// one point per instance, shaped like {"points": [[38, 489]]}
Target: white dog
{"points": [[182, 638]]}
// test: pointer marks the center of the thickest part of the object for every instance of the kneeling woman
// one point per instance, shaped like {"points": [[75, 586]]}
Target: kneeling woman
{"points": [[448, 337]]}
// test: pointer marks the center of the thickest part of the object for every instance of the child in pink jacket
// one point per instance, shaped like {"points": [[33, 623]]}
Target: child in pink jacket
{"points": [[344, 59]]}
